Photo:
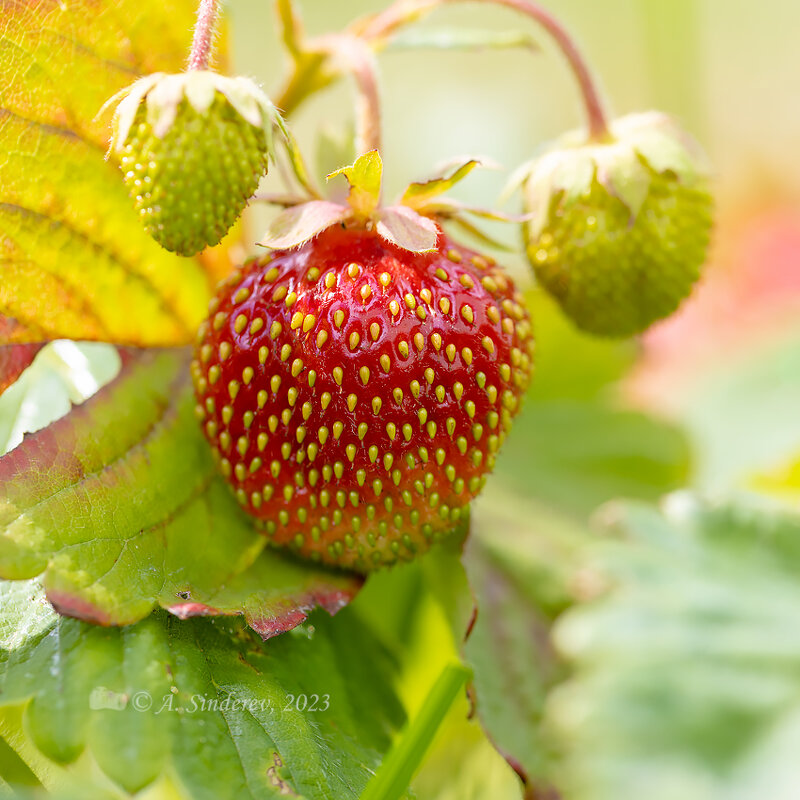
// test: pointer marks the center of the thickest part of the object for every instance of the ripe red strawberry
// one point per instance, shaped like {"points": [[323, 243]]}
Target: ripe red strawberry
{"points": [[355, 393]]}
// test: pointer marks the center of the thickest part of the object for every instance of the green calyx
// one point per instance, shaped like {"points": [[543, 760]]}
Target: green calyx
{"points": [[192, 148], [411, 223], [619, 229]]}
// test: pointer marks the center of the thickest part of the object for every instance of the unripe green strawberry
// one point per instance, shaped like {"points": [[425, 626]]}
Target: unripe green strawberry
{"points": [[620, 228], [192, 149], [356, 394]]}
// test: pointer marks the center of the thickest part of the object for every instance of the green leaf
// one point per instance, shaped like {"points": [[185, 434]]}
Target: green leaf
{"points": [[364, 177], [574, 446], [204, 703], [298, 224], [119, 507], [571, 448], [686, 668], [404, 227], [419, 194], [462, 39], [71, 244]]}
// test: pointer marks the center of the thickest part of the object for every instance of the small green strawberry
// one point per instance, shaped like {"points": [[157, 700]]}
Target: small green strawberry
{"points": [[192, 147], [619, 228]]}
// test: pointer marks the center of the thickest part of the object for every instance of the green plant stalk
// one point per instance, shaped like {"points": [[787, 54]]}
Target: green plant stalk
{"points": [[394, 776]]}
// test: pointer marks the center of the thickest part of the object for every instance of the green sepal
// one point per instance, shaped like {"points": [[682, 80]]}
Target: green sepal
{"points": [[419, 193], [162, 95], [364, 176], [564, 174], [640, 146]]}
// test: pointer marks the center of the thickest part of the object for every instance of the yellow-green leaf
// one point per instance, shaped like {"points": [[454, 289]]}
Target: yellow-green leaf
{"points": [[420, 193], [74, 260], [364, 177]]}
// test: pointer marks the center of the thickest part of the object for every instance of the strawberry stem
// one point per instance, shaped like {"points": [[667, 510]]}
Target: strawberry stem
{"points": [[381, 27], [368, 109], [596, 117], [203, 38], [353, 54]]}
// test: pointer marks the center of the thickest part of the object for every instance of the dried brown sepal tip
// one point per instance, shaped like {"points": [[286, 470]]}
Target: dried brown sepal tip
{"points": [[192, 147], [619, 229]]}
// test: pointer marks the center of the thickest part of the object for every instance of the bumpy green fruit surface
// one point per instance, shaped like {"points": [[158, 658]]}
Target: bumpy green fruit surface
{"points": [[620, 229], [193, 148]]}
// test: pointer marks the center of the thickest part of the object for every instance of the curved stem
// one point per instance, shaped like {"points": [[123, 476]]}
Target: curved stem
{"points": [[203, 34], [381, 27], [596, 118]]}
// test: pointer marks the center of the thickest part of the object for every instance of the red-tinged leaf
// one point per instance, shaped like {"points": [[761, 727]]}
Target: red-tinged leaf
{"points": [[72, 249], [14, 359], [266, 611], [402, 226], [300, 223], [119, 508]]}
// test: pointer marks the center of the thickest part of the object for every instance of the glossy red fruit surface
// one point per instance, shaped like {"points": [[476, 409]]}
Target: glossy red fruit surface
{"points": [[355, 394]]}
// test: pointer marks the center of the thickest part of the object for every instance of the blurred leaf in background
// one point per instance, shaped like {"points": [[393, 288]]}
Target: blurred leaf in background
{"points": [[686, 671]]}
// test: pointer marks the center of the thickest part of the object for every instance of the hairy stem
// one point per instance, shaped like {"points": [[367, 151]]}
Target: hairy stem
{"points": [[368, 109], [351, 54], [203, 38]]}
